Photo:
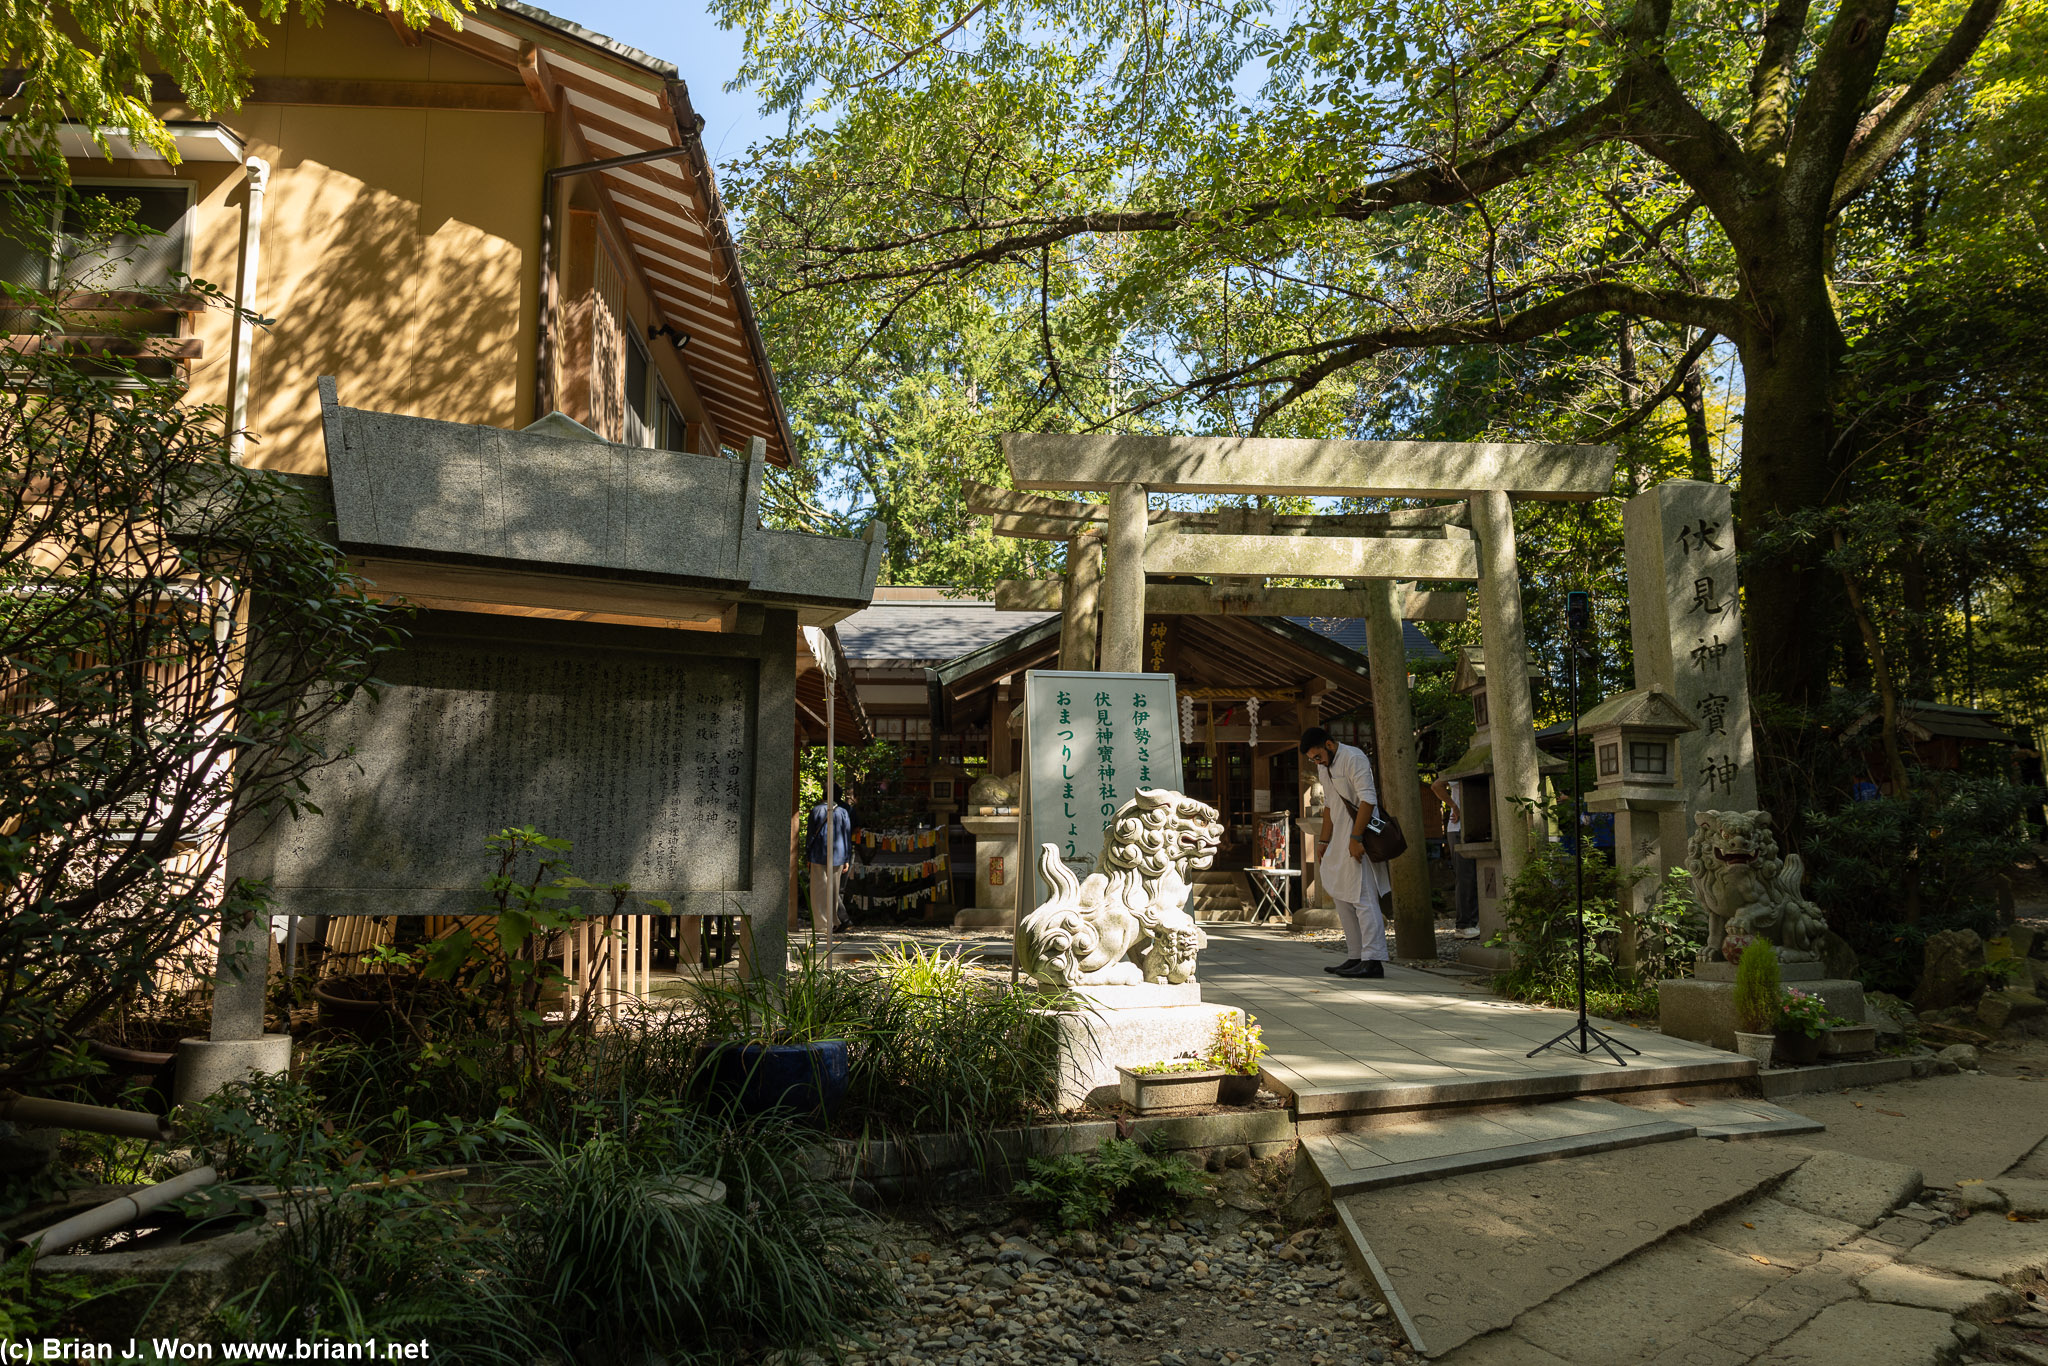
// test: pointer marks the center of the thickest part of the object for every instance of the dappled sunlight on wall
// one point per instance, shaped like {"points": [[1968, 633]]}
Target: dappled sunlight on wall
{"points": [[398, 257]]}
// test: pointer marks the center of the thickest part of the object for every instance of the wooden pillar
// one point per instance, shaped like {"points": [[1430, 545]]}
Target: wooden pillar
{"points": [[999, 708], [1219, 782], [1517, 783], [1310, 713], [1400, 783], [1262, 780], [1081, 601], [1123, 599], [797, 871]]}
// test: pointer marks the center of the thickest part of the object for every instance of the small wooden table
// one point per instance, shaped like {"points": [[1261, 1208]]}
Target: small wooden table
{"points": [[1271, 884]]}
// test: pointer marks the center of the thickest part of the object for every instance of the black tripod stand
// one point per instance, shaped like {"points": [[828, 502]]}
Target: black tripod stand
{"points": [[1581, 1037]]}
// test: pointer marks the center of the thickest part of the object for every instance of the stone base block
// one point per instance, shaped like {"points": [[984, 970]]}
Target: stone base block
{"points": [[1704, 1012], [1139, 996], [1482, 955], [1315, 918], [206, 1065], [1094, 1043], [985, 917], [1716, 970]]}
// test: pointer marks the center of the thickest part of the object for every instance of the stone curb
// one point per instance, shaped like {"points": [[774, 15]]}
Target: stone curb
{"points": [[882, 1168], [1508, 1155], [1792, 1081], [1323, 1110]]}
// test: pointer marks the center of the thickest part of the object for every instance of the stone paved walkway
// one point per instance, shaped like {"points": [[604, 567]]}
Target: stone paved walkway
{"points": [[1415, 1038], [1334, 1041]]}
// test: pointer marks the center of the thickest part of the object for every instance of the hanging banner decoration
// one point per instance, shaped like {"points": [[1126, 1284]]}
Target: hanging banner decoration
{"points": [[1091, 741]]}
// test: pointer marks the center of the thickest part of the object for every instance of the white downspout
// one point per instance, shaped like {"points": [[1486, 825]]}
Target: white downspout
{"points": [[245, 296]]}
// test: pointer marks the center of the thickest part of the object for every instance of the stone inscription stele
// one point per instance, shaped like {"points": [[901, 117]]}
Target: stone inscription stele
{"points": [[1685, 614], [643, 761]]}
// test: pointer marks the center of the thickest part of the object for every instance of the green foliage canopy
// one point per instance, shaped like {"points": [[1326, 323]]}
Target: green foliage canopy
{"points": [[1250, 217], [91, 62]]}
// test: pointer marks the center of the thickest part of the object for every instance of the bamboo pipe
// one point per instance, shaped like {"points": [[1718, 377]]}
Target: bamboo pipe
{"points": [[94, 1119], [115, 1214]]}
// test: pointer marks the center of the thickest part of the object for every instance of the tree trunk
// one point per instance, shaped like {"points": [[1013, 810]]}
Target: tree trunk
{"points": [[1919, 621], [1788, 468], [1887, 687], [1631, 394], [1692, 397], [1791, 600]]}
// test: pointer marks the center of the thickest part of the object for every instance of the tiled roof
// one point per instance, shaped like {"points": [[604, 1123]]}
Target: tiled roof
{"points": [[1350, 633], [910, 633]]}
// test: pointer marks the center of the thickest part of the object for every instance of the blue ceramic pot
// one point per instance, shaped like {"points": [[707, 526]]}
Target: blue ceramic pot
{"points": [[806, 1079]]}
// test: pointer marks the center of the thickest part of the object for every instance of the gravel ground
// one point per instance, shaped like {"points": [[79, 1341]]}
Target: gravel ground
{"points": [[1222, 1283]]}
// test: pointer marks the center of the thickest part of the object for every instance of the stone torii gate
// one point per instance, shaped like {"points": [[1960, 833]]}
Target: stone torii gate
{"points": [[1239, 549]]}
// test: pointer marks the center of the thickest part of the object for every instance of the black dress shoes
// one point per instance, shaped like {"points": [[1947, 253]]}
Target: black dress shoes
{"points": [[1343, 968], [1371, 967]]}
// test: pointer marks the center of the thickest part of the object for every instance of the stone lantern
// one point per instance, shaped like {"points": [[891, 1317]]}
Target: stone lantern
{"points": [[1635, 750], [1473, 772], [1636, 776], [992, 820]]}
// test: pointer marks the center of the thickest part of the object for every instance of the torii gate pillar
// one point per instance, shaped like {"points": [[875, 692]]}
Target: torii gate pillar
{"points": [[1400, 788], [1517, 782], [1123, 599]]}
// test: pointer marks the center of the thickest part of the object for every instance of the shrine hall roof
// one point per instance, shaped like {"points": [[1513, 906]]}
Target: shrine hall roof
{"points": [[1350, 633], [929, 632]]}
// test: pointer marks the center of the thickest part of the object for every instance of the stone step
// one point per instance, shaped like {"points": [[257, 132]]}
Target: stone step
{"points": [[1833, 1265], [1727, 1117], [1470, 1254], [1345, 1108], [1222, 896], [1410, 1147]]}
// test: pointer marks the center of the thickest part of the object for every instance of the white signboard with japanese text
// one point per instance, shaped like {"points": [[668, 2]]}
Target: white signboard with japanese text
{"points": [[1091, 741]]}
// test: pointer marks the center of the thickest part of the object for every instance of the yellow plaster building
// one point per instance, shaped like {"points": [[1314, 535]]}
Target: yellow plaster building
{"points": [[437, 219]]}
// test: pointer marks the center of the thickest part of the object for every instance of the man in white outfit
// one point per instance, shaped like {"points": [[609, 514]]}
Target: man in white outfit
{"points": [[1354, 881]]}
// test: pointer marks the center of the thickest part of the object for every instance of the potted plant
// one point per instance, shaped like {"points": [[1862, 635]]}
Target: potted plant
{"points": [[1846, 1039], [140, 1046], [1228, 1074], [1176, 1084], [386, 998], [1237, 1050], [785, 1050], [1802, 1019], [779, 1072], [1756, 1001]]}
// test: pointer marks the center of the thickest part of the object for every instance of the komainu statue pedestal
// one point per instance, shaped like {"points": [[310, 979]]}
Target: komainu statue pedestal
{"points": [[1119, 947]]}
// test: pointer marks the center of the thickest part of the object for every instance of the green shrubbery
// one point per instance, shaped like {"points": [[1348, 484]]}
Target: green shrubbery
{"points": [[1124, 1179], [933, 1045], [175, 631], [1540, 911], [510, 1180], [1893, 871], [505, 1244]]}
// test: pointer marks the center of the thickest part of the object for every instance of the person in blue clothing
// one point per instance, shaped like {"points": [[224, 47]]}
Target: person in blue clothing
{"points": [[1602, 825], [829, 850]]}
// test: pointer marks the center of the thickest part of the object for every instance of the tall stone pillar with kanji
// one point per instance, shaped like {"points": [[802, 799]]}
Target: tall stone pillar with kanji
{"points": [[1685, 615]]}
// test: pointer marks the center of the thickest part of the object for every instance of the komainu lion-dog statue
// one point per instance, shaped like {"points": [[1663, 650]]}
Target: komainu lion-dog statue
{"points": [[1127, 923], [1750, 891]]}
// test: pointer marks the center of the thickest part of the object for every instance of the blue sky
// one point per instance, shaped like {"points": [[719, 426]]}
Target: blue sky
{"points": [[706, 55]]}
